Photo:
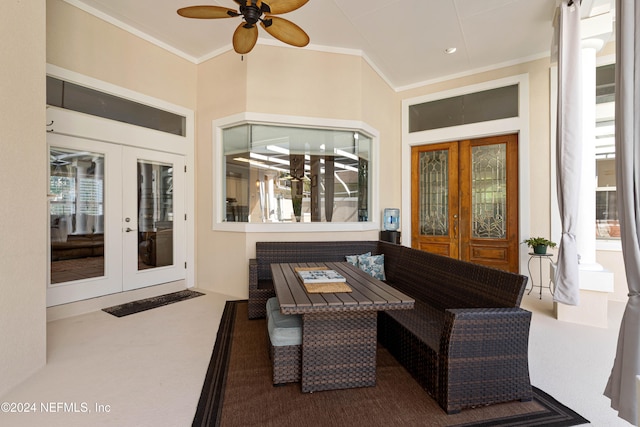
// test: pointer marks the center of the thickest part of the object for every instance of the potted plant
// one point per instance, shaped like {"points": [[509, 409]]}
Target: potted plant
{"points": [[539, 244], [297, 206]]}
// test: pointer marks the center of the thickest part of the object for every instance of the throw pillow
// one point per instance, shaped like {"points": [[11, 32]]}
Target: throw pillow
{"points": [[353, 259], [373, 265]]}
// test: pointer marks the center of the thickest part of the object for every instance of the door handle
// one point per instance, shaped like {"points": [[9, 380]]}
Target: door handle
{"points": [[455, 226], [129, 229]]}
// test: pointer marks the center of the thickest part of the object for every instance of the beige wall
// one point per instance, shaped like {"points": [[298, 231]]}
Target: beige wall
{"points": [[23, 211], [382, 108], [222, 91], [298, 82], [82, 43]]}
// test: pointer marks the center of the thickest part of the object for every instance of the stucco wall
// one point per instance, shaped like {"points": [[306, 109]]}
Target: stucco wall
{"points": [[23, 215]]}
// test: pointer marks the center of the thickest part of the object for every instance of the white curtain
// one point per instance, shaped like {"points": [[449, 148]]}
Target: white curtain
{"points": [[569, 150], [621, 387]]}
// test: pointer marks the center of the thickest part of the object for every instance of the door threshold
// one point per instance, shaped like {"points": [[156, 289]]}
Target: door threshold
{"points": [[95, 304]]}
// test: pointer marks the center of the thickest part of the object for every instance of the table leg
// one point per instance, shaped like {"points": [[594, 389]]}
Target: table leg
{"points": [[540, 265], [338, 350], [531, 277]]}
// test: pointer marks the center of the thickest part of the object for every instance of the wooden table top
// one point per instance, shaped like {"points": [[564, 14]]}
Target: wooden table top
{"points": [[368, 293]]}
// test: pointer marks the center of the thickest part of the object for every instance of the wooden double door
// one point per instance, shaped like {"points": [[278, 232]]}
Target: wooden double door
{"points": [[464, 200]]}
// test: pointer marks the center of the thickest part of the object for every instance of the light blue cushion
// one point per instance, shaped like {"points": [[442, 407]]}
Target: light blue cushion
{"points": [[284, 329], [353, 259], [272, 305], [373, 265]]}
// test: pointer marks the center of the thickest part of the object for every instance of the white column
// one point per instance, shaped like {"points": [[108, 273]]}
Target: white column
{"points": [[586, 237]]}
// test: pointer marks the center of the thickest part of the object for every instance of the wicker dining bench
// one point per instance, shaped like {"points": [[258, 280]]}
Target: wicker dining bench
{"points": [[285, 341], [466, 340]]}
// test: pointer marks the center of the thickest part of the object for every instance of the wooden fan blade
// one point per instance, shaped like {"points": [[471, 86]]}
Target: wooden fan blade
{"points": [[206, 12], [286, 31], [284, 6], [244, 39]]}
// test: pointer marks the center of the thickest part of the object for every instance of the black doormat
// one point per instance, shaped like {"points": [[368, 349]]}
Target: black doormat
{"points": [[149, 303], [238, 391]]}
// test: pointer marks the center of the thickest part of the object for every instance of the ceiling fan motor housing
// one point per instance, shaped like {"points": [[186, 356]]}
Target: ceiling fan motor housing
{"points": [[252, 12]]}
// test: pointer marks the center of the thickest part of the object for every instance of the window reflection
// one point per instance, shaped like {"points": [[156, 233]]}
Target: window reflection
{"points": [[76, 186], [155, 215], [607, 223], [280, 174]]}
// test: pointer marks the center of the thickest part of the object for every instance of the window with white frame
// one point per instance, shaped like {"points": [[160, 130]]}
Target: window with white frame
{"points": [[288, 174], [607, 223]]}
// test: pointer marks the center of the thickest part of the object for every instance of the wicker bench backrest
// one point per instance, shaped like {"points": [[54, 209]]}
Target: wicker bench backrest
{"points": [[268, 253], [392, 254], [443, 282], [450, 283]]}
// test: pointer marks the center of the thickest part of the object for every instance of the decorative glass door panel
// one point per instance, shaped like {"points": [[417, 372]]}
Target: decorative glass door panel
{"points": [[435, 194], [465, 200], [489, 191]]}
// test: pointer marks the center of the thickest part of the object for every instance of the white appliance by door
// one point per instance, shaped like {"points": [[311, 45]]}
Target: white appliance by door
{"points": [[117, 218]]}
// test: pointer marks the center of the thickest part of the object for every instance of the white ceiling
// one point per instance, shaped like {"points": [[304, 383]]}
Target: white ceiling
{"points": [[403, 39]]}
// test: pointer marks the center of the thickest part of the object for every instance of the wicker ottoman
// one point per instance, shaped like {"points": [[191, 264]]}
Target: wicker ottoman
{"points": [[285, 343]]}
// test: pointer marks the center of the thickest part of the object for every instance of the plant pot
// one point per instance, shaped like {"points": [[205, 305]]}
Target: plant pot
{"points": [[540, 249]]}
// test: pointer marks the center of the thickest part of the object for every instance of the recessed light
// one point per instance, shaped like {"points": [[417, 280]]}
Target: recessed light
{"points": [[450, 50]]}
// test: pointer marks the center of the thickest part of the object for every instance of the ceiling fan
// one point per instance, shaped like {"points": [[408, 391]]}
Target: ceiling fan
{"points": [[61, 158], [252, 11]]}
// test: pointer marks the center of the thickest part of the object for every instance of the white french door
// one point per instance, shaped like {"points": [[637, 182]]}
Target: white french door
{"points": [[117, 218], [153, 218]]}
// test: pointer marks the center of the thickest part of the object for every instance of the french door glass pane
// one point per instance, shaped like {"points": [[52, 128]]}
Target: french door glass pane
{"points": [[155, 214], [76, 186], [434, 193], [489, 191]]}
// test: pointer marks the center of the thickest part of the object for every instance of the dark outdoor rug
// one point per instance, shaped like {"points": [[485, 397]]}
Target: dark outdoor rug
{"points": [[149, 303], [238, 391]]}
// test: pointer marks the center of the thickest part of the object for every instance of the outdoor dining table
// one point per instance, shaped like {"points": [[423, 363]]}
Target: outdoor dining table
{"points": [[339, 329]]}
